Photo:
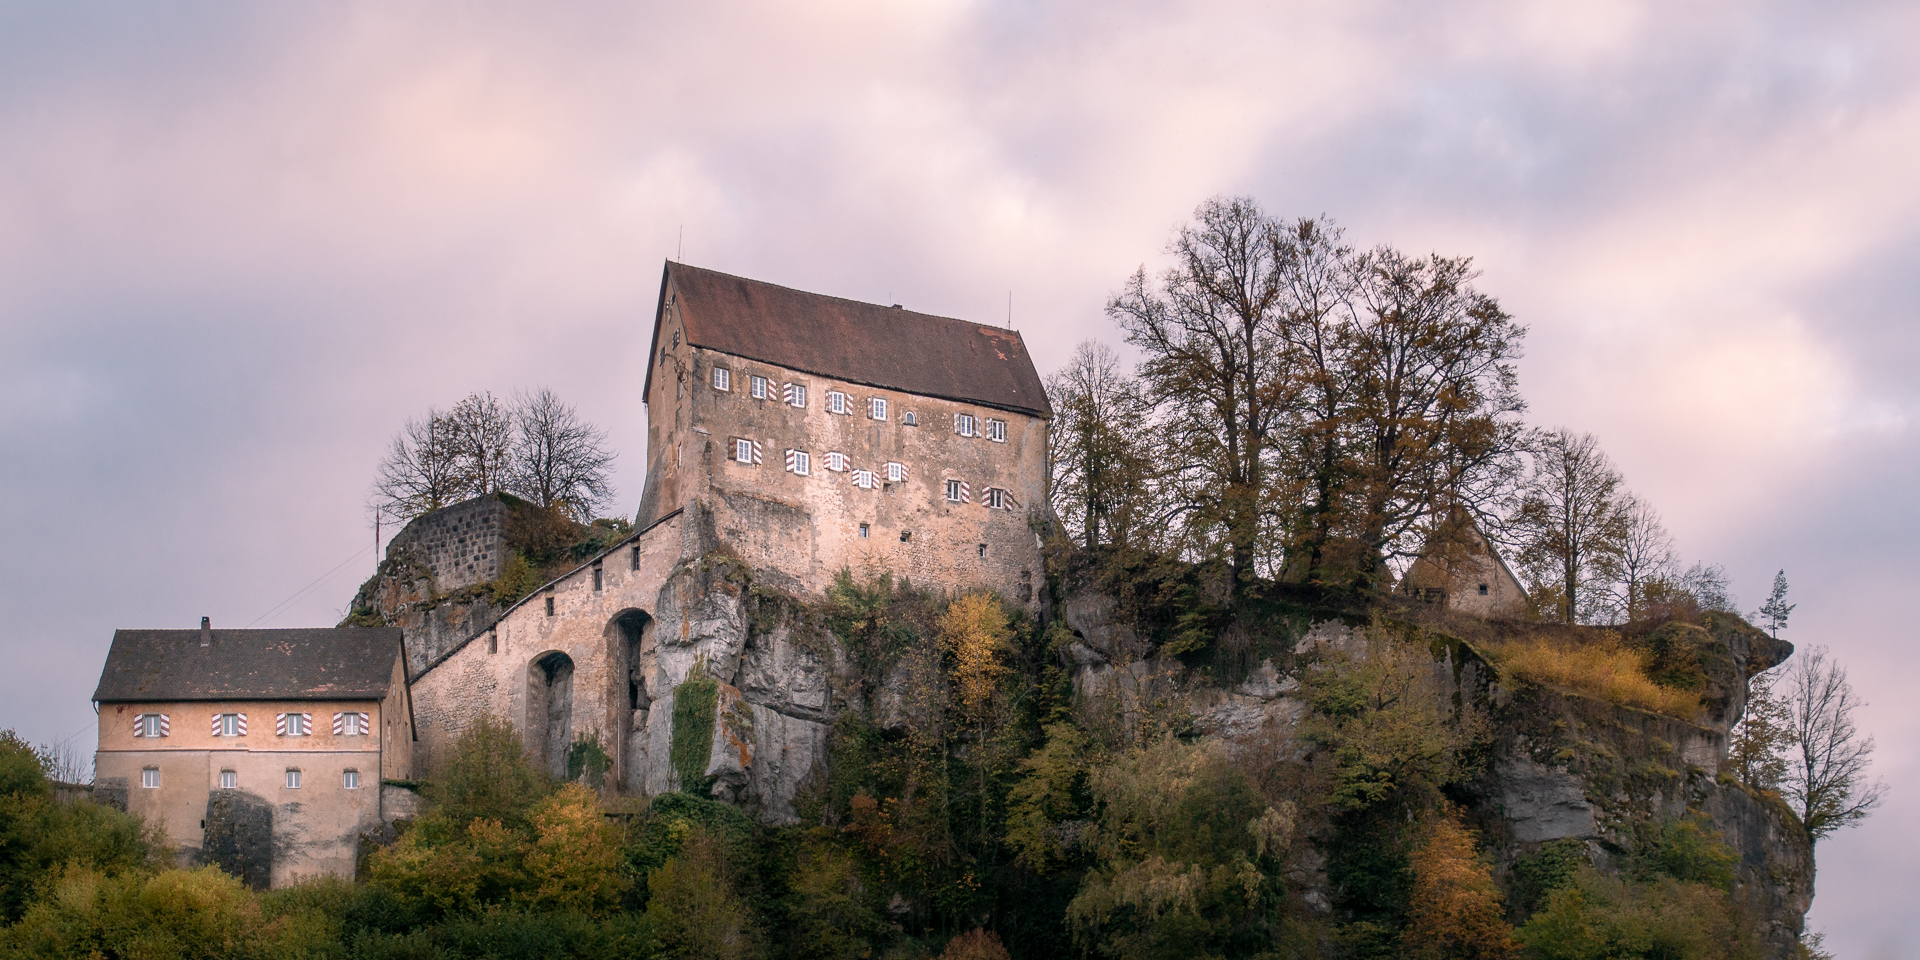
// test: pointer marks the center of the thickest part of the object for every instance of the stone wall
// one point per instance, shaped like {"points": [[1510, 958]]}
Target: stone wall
{"points": [[460, 546]]}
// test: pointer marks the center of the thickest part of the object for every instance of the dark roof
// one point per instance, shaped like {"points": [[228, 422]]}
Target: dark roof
{"points": [[321, 663], [858, 342]]}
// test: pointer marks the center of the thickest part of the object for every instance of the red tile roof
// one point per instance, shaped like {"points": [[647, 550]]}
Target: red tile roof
{"points": [[856, 342]]}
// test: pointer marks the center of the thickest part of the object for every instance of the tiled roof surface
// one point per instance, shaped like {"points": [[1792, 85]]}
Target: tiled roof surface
{"points": [[858, 342], [325, 663]]}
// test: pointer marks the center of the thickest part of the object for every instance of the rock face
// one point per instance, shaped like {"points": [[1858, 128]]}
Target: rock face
{"points": [[1563, 766]]}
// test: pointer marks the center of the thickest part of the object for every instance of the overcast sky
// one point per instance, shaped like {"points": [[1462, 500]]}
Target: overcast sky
{"points": [[241, 243]]}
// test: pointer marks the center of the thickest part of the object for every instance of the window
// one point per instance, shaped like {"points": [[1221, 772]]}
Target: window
{"points": [[350, 724], [493, 641], [877, 408], [151, 725], [293, 724], [909, 420], [598, 581], [837, 461], [906, 535], [759, 387], [863, 531], [722, 378], [983, 551], [896, 473], [549, 606], [957, 492], [293, 778], [838, 402], [350, 779], [229, 780], [796, 395], [997, 499], [150, 777], [997, 431], [799, 462], [1483, 589], [864, 479], [229, 724], [635, 564], [746, 451], [966, 425]]}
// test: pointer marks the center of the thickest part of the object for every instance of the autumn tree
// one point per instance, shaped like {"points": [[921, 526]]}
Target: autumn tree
{"points": [[558, 460], [1435, 399], [1214, 367], [1570, 519], [1759, 744], [421, 472], [483, 442], [1454, 912], [1100, 466], [1826, 779], [1643, 555]]}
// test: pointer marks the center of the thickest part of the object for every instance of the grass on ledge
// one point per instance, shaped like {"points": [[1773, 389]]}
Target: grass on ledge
{"points": [[1606, 670]]}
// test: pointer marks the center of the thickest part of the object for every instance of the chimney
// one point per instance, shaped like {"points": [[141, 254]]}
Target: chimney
{"points": [[206, 631]]}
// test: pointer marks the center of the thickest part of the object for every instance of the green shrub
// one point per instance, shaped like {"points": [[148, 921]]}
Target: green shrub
{"points": [[1687, 850], [1600, 918], [692, 744]]}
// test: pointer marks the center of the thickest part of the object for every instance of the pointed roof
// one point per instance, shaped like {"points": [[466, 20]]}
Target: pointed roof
{"points": [[322, 663], [865, 343]]}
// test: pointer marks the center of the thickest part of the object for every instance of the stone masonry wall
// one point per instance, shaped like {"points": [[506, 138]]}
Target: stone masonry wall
{"points": [[462, 545]]}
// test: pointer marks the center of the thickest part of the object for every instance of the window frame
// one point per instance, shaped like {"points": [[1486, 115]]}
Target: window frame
{"points": [[966, 424], [865, 479], [799, 463], [995, 499], [229, 779], [759, 387], [896, 472], [996, 430], [723, 379], [293, 724], [294, 778], [794, 395], [149, 778], [839, 403], [876, 408], [957, 491], [838, 462], [350, 779]]}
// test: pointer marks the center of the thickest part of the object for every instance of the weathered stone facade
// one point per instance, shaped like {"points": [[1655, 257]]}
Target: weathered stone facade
{"points": [[460, 546]]}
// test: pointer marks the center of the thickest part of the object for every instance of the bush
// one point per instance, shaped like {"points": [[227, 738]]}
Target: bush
{"points": [[1602, 917], [1605, 670], [1454, 911]]}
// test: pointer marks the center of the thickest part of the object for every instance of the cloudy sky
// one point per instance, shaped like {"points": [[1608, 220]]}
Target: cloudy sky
{"points": [[240, 243]]}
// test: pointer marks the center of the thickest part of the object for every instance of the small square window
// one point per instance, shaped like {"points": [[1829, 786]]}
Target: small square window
{"points": [[350, 779], [293, 724], [865, 480], [150, 777], [896, 473], [746, 451], [350, 724], [229, 780], [150, 725], [759, 387], [799, 462], [796, 395], [1483, 589], [230, 725], [996, 499], [293, 778], [836, 461], [838, 402], [957, 491], [876, 408], [722, 378], [863, 531], [997, 431], [966, 425], [906, 535]]}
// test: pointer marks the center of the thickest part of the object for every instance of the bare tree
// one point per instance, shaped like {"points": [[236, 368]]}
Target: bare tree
{"points": [[422, 470], [1215, 368], [558, 461], [1570, 518], [483, 441], [1645, 554], [1099, 469], [1826, 777]]}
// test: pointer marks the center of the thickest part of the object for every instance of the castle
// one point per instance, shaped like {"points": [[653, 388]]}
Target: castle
{"points": [[791, 436]]}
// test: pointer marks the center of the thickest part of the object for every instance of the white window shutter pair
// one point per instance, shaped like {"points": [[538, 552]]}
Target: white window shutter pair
{"points": [[350, 724], [152, 725], [864, 479]]}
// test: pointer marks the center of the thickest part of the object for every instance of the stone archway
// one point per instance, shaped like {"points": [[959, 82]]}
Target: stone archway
{"points": [[550, 711], [628, 633]]}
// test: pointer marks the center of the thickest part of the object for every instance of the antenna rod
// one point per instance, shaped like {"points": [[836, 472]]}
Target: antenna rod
{"points": [[680, 248]]}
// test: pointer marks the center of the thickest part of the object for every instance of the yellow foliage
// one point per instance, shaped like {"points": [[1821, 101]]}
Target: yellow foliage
{"points": [[1454, 910], [975, 631], [1607, 670], [576, 862]]}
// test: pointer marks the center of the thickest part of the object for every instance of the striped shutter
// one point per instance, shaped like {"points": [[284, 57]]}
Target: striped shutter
{"points": [[166, 726], [280, 724], [788, 392], [793, 462], [339, 724], [139, 724], [240, 722], [756, 451], [966, 492]]}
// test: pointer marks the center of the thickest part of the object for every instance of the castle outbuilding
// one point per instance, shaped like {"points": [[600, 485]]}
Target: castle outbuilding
{"points": [[263, 751], [791, 436]]}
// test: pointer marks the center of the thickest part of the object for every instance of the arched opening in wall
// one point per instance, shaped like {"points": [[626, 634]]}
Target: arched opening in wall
{"points": [[626, 638], [550, 710]]}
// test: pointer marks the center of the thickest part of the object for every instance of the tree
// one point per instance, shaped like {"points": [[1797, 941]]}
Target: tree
{"points": [[1570, 518], [421, 472], [1214, 366], [1645, 555], [1760, 742], [1826, 776], [483, 442], [1436, 399], [1455, 911], [558, 461], [1776, 609], [1099, 466]]}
